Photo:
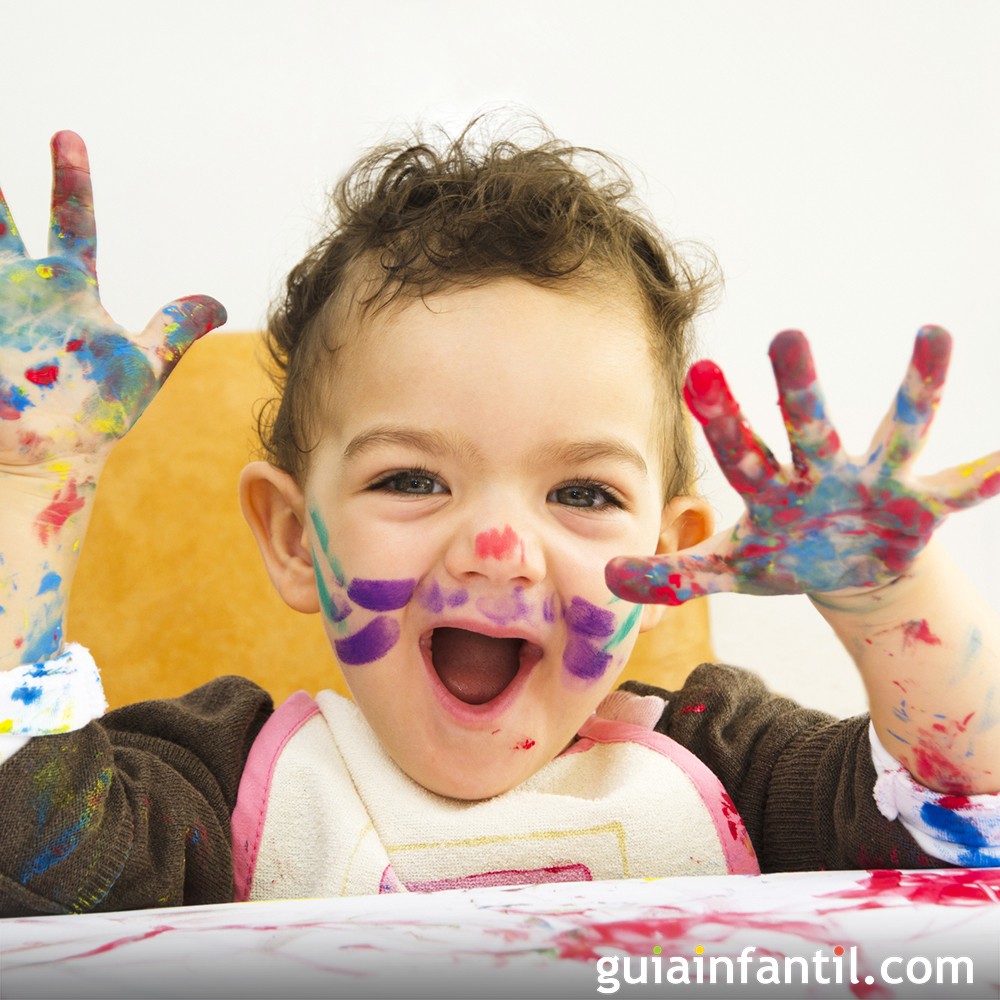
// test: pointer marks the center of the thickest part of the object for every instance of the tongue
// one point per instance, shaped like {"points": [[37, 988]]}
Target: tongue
{"points": [[474, 668]]}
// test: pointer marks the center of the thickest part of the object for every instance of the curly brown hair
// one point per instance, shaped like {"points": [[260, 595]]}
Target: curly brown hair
{"points": [[410, 219]]}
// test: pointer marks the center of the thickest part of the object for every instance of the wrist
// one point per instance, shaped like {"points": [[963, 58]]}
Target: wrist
{"points": [[45, 516]]}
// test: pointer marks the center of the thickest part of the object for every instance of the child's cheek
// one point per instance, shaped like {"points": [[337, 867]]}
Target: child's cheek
{"points": [[593, 634], [358, 638]]}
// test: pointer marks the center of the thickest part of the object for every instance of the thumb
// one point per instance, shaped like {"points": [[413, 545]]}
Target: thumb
{"points": [[176, 327]]}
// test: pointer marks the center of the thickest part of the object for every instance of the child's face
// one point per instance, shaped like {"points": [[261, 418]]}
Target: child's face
{"points": [[487, 453]]}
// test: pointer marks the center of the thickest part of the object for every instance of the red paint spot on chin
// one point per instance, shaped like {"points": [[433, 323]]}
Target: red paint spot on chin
{"points": [[43, 374], [919, 631], [525, 744], [494, 544]]}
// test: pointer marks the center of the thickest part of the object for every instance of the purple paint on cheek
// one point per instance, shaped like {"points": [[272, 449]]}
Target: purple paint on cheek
{"points": [[381, 595], [370, 644], [584, 660], [549, 609], [432, 598], [588, 619]]}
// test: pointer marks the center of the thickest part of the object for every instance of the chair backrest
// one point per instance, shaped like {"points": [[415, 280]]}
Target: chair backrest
{"points": [[170, 590]]}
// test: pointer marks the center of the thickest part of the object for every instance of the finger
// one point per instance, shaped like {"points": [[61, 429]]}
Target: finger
{"points": [[743, 457], [177, 326], [11, 244], [670, 580], [902, 433], [965, 485], [72, 231], [813, 439]]}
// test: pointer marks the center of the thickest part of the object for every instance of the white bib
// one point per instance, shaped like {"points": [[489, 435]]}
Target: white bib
{"points": [[324, 811]]}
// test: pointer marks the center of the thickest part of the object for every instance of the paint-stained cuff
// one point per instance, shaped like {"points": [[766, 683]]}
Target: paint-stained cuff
{"points": [[960, 829], [56, 696]]}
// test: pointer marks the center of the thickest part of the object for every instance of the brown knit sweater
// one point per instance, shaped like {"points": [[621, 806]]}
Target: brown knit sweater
{"points": [[133, 810]]}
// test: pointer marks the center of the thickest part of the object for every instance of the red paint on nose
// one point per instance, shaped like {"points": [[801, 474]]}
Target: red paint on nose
{"points": [[494, 544]]}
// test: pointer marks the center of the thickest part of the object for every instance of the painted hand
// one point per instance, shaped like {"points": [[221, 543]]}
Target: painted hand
{"points": [[828, 522], [72, 381]]}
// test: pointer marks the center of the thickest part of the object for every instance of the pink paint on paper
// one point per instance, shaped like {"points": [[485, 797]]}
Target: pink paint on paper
{"points": [[494, 544]]}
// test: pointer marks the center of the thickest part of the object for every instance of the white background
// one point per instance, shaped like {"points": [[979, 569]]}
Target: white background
{"points": [[841, 159]]}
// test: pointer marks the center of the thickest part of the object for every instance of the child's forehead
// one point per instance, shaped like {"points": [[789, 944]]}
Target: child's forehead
{"points": [[562, 300]]}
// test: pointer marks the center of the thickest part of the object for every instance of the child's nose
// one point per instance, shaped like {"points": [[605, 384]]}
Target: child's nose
{"points": [[499, 553]]}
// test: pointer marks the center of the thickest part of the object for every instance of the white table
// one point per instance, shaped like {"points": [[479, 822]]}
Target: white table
{"points": [[537, 941]]}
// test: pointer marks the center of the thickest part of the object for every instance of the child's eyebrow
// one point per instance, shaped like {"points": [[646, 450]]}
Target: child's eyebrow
{"points": [[430, 442], [581, 452]]}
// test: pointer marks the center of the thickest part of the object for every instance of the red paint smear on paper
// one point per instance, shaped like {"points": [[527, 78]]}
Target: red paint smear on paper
{"points": [[918, 631], [590, 941], [495, 544], [961, 887], [66, 502], [74, 345], [43, 375], [119, 942]]}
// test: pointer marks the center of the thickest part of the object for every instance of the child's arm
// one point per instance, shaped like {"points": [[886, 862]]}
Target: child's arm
{"points": [[853, 534], [71, 383]]}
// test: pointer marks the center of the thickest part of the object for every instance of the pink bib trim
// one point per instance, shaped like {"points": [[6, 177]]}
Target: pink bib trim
{"points": [[733, 837], [255, 786]]}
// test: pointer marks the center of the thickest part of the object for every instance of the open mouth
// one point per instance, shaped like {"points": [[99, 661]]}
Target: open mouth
{"points": [[477, 668]]}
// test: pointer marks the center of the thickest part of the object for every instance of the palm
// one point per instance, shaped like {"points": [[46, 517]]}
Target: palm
{"points": [[72, 381], [827, 521]]}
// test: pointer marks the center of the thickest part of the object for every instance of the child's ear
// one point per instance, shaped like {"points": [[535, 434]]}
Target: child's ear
{"points": [[274, 507], [686, 521]]}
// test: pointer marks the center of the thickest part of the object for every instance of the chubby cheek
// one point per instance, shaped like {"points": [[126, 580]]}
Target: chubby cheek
{"points": [[357, 610]]}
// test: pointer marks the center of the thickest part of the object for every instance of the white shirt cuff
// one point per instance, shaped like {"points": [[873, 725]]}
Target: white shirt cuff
{"points": [[56, 696], [960, 829]]}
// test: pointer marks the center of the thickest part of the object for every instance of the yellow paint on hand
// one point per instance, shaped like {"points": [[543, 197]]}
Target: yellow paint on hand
{"points": [[44, 271]]}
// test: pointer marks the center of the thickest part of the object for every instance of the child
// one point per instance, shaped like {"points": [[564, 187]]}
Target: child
{"points": [[479, 433]]}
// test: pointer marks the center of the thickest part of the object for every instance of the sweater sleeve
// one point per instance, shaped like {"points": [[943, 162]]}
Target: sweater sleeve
{"points": [[132, 810], [802, 780]]}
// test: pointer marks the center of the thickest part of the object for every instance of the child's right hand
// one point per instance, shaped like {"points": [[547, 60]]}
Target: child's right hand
{"points": [[72, 381]]}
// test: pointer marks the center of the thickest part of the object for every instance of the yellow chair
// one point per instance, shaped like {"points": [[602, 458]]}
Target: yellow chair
{"points": [[170, 590]]}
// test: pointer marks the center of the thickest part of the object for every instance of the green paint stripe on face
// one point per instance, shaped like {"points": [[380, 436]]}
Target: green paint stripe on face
{"points": [[323, 535], [624, 629]]}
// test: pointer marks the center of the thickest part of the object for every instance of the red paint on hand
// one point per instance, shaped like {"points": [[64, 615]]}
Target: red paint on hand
{"points": [[494, 544], [44, 375]]}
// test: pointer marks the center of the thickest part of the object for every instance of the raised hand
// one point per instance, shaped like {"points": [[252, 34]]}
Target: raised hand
{"points": [[828, 521], [72, 381]]}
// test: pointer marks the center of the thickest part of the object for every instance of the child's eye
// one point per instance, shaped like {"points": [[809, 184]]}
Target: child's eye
{"points": [[586, 495], [414, 482]]}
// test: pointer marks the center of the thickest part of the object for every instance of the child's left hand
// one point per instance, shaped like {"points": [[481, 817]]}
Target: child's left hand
{"points": [[828, 522]]}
